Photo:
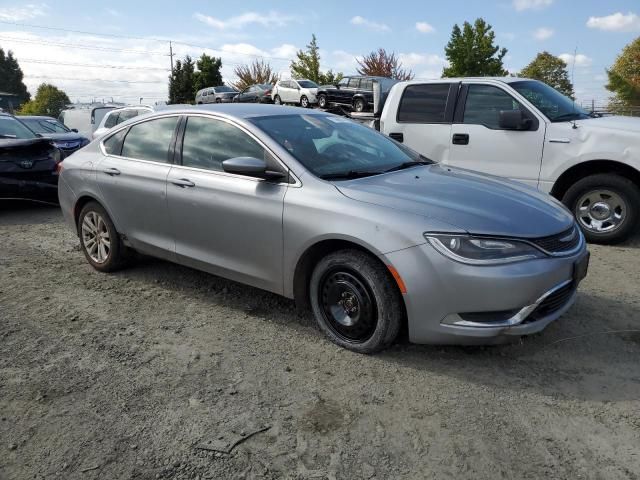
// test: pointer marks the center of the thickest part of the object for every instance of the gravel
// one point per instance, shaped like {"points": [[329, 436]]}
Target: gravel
{"points": [[125, 375]]}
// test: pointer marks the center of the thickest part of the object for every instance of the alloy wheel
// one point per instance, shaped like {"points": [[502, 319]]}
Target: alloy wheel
{"points": [[95, 237], [304, 102], [601, 211]]}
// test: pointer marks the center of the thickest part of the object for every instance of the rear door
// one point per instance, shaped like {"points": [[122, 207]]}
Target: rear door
{"points": [[230, 225], [132, 177], [423, 118], [479, 143], [336, 94]]}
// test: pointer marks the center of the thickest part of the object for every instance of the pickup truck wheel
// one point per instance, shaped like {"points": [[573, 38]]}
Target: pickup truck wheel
{"points": [[355, 301], [606, 206], [358, 105], [322, 101], [277, 100]]}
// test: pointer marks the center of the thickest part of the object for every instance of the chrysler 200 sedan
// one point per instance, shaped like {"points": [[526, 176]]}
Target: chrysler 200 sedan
{"points": [[335, 215]]}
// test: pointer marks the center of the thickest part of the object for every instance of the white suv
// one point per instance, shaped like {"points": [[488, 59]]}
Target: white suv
{"points": [[301, 92], [117, 116]]}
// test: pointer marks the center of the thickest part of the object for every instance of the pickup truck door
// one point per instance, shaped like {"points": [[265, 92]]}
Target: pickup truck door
{"points": [[479, 142]]}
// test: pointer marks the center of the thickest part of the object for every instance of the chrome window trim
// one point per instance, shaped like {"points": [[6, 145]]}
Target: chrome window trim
{"points": [[296, 183]]}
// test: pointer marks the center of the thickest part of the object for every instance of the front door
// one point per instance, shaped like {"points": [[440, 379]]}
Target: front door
{"points": [[479, 143], [132, 179], [229, 225]]}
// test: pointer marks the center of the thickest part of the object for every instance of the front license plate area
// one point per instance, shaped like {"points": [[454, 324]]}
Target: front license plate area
{"points": [[580, 268]]}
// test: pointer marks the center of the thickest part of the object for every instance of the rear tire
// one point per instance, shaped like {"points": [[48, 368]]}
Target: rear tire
{"points": [[99, 240], [355, 301], [322, 101], [358, 105], [277, 100], [606, 206]]}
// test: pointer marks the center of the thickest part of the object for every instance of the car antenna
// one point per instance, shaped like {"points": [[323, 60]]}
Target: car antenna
{"points": [[574, 125]]}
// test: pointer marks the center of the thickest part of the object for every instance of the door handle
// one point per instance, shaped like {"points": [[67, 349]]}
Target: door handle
{"points": [[111, 171], [398, 137], [460, 139], [183, 182]]}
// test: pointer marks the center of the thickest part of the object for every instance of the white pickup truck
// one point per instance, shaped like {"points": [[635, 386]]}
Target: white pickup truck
{"points": [[527, 131]]}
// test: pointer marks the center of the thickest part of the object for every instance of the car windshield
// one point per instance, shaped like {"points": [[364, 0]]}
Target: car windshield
{"points": [[12, 128], [554, 105], [264, 86], [333, 147], [224, 89], [41, 125], [307, 84]]}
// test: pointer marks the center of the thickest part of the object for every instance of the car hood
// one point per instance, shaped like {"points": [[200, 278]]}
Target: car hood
{"points": [[477, 203], [64, 137], [630, 124]]}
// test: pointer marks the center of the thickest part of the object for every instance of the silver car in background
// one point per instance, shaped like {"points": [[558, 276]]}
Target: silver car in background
{"points": [[314, 207], [299, 91], [221, 94]]}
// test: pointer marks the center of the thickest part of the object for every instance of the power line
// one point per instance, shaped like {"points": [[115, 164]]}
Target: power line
{"points": [[92, 65], [94, 79], [83, 47]]}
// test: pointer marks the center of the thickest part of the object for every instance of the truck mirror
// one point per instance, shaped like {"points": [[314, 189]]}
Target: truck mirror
{"points": [[513, 120]]}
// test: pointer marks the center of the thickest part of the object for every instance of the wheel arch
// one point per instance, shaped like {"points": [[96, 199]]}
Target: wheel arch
{"points": [[592, 167], [83, 200]]}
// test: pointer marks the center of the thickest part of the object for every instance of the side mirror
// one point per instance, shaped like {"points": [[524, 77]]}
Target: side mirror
{"points": [[513, 120], [75, 130], [251, 167]]}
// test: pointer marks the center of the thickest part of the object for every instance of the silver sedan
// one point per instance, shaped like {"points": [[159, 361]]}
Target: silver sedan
{"points": [[364, 231]]}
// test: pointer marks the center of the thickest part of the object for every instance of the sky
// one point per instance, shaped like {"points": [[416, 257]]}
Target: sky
{"points": [[120, 49]]}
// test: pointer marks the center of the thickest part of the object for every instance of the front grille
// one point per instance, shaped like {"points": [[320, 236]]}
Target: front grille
{"points": [[561, 242], [552, 303]]}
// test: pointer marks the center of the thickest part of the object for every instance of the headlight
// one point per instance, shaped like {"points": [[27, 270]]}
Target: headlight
{"points": [[482, 251]]}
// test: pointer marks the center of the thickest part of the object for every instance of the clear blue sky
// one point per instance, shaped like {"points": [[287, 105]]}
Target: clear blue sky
{"points": [[239, 31]]}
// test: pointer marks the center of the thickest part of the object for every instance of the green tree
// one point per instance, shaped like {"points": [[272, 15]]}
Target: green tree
{"points": [[208, 74], [471, 52], [308, 65], [624, 79], [182, 81], [49, 100], [383, 64], [258, 71], [551, 70], [11, 77]]}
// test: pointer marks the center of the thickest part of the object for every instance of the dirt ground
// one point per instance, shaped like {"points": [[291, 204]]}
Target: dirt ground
{"points": [[145, 373]]}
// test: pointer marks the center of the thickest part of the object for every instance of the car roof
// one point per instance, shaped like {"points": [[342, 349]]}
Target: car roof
{"points": [[244, 110], [462, 79], [36, 117]]}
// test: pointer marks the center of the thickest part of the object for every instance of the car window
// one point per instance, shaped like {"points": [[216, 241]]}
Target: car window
{"points": [[344, 82], [424, 103], [12, 128], [307, 84], [127, 115], [113, 144], [208, 142], [112, 120], [354, 83], [366, 84], [285, 84], [484, 103], [150, 140]]}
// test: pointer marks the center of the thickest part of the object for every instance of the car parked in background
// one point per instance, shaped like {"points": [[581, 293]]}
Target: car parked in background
{"points": [[220, 94], [527, 131], [28, 162], [301, 92], [63, 138], [119, 115], [315, 207], [258, 93], [355, 92], [84, 120]]}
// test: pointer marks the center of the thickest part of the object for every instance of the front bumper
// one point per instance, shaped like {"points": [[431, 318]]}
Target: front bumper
{"points": [[453, 303]]}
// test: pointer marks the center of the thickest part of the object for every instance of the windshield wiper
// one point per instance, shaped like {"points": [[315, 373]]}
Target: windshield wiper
{"points": [[567, 117], [351, 174], [412, 163]]}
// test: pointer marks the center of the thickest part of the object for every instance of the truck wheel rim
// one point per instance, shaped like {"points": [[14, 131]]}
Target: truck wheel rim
{"points": [[601, 211], [95, 237]]}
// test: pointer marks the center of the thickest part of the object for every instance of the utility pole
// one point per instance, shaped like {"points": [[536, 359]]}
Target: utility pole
{"points": [[171, 55]]}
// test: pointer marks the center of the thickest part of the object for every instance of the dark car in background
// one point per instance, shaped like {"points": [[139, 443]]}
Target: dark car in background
{"points": [[258, 93], [28, 162], [63, 138], [356, 92]]}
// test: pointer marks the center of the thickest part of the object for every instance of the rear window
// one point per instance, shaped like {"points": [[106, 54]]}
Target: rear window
{"points": [[425, 103], [150, 140], [12, 128], [112, 120], [113, 144]]}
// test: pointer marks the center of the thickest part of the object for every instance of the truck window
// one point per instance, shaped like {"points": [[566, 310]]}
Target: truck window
{"points": [[484, 103], [424, 103]]}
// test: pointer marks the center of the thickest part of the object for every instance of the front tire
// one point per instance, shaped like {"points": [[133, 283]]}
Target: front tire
{"points": [[99, 240], [606, 206], [322, 101], [358, 105], [355, 301], [304, 101]]}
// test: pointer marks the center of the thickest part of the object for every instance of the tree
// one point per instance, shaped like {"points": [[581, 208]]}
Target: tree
{"points": [[308, 65], [550, 70], [624, 78], [11, 77], [208, 74], [258, 71], [49, 100], [382, 64], [182, 82], [471, 52]]}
